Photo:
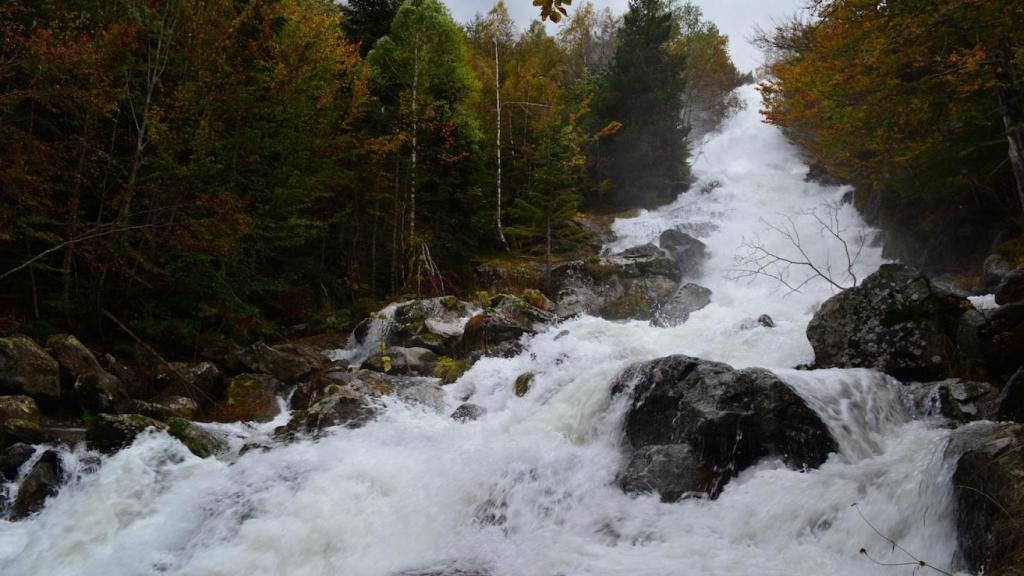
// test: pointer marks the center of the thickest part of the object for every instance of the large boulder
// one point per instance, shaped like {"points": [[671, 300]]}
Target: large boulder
{"points": [[956, 399], [695, 424], [249, 398], [81, 374], [337, 406], [25, 368], [989, 491], [628, 285], [496, 331], [1011, 287], [198, 440], [686, 251], [399, 360], [432, 323], [42, 481], [688, 299], [19, 407], [17, 430], [289, 364], [896, 321], [111, 432]]}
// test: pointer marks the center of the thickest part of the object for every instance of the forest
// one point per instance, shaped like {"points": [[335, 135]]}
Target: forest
{"points": [[230, 169]]}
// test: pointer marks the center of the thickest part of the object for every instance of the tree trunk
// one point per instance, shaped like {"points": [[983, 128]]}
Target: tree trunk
{"points": [[1011, 111], [497, 145], [415, 121]]}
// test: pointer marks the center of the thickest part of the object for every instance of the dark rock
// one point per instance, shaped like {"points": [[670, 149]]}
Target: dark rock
{"points": [[447, 569], [249, 398], [13, 458], [364, 381], [686, 251], [166, 407], [337, 406], [133, 385], [989, 492], [19, 408], [995, 268], [399, 360], [14, 431], [1011, 287], [25, 368], [671, 470], [199, 441], [1002, 341], [728, 418], [956, 399], [201, 381], [287, 366], [523, 382], [497, 330], [109, 432], [467, 412], [766, 321], [1011, 399], [80, 372], [41, 482], [688, 299], [896, 322], [648, 250]]}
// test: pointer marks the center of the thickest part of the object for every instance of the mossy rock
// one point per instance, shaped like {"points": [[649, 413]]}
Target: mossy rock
{"points": [[15, 430], [196, 439], [449, 369], [523, 383], [111, 432], [628, 306], [249, 398]]}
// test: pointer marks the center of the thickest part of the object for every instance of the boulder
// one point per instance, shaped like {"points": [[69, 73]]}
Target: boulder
{"points": [[399, 360], [1000, 341], [1011, 287], [989, 491], [620, 287], [198, 440], [432, 323], [766, 321], [16, 430], [13, 458], [496, 331], [688, 299], [249, 398], [363, 381], [994, 269], [25, 368], [421, 392], [956, 399], [19, 408], [1011, 399], [686, 251], [288, 364], [467, 412], [896, 322], [729, 419], [133, 385], [111, 432], [201, 381], [166, 407], [337, 406], [80, 373], [42, 481]]}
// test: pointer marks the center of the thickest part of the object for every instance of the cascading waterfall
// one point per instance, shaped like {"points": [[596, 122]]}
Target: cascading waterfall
{"points": [[529, 489]]}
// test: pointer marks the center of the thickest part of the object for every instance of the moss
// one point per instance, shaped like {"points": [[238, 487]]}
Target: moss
{"points": [[198, 441], [449, 369], [598, 270], [536, 299], [629, 306], [451, 303], [482, 298], [523, 382]]}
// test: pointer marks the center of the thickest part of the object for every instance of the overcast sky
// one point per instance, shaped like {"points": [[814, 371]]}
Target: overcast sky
{"points": [[735, 18]]}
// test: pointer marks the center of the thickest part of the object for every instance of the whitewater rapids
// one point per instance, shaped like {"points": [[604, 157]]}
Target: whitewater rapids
{"points": [[415, 489]]}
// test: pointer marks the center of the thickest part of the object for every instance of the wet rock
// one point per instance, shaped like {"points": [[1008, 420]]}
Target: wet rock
{"points": [[1011, 287], [467, 412], [337, 406], [447, 569], [728, 418], [956, 399], [896, 322], [364, 381], [449, 370], [81, 374], [249, 398], [989, 492], [198, 440], [686, 251], [422, 392], [688, 299], [13, 458], [201, 381], [15, 430], [496, 331], [285, 364], [166, 407], [432, 323], [19, 408], [1011, 399], [399, 360], [994, 269], [671, 470], [25, 368], [111, 432], [523, 382], [41, 482], [766, 321]]}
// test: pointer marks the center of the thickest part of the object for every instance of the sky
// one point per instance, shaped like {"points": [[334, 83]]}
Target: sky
{"points": [[735, 18]]}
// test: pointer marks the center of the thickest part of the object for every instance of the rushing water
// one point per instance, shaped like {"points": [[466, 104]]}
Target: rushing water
{"points": [[528, 490]]}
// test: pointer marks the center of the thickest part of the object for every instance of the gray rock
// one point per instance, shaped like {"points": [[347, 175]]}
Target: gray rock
{"points": [[41, 482], [686, 251], [402, 361], [467, 412], [989, 494], [728, 418], [671, 470], [615, 287], [688, 299], [766, 321], [13, 458], [284, 364], [19, 407], [956, 399], [432, 323], [25, 368], [201, 381], [199, 441], [1011, 399], [166, 407], [109, 432], [497, 329], [896, 322], [1011, 287], [80, 372]]}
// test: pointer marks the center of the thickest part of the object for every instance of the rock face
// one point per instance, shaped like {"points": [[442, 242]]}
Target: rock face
{"points": [[688, 299], [896, 321], [41, 482], [989, 492], [80, 373], [956, 399], [695, 424], [25, 368], [109, 433]]}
